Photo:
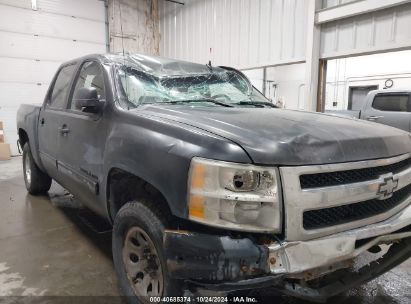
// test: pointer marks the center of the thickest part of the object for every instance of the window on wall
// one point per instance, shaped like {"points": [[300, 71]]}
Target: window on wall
{"points": [[59, 94], [357, 96], [392, 103], [332, 3], [91, 75]]}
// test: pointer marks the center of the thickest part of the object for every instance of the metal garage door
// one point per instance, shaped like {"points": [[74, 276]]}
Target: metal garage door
{"points": [[35, 38]]}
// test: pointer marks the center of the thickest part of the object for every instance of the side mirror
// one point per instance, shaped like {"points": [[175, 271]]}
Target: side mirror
{"points": [[86, 100]]}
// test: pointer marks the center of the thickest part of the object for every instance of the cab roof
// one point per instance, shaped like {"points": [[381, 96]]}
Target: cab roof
{"points": [[155, 65]]}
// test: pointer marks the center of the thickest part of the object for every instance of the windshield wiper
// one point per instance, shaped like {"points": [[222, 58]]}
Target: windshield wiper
{"points": [[199, 100], [260, 104]]}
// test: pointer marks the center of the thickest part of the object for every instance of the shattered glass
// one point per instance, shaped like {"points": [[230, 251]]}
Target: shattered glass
{"points": [[150, 80]]}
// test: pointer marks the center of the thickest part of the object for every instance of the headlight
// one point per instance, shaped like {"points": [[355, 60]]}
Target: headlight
{"points": [[234, 196]]}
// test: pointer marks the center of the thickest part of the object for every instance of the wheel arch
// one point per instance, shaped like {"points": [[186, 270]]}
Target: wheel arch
{"points": [[123, 186], [23, 137]]}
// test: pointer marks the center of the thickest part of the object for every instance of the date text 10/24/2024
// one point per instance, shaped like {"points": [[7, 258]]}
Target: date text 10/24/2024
{"points": [[202, 299]]}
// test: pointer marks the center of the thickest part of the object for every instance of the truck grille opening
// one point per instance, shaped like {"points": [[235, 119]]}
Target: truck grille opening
{"points": [[328, 179], [321, 218]]}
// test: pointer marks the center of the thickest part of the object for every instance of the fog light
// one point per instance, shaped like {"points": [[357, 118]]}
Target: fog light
{"points": [[247, 212], [240, 212]]}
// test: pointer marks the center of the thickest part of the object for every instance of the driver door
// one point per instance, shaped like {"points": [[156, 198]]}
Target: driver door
{"points": [[82, 148]]}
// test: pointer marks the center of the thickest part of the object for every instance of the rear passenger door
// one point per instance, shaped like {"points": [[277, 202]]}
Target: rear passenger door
{"points": [[393, 109], [50, 116]]}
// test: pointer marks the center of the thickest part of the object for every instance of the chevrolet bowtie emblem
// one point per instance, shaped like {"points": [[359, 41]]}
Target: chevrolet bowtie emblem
{"points": [[388, 186]]}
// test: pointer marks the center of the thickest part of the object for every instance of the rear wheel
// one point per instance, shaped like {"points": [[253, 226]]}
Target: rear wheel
{"points": [[37, 182], [138, 254]]}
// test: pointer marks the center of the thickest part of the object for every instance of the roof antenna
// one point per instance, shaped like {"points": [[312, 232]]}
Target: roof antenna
{"points": [[124, 57], [121, 27], [209, 66]]}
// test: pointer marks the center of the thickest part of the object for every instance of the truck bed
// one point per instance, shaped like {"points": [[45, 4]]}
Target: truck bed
{"points": [[27, 120]]}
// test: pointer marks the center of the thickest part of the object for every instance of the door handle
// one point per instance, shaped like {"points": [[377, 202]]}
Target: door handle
{"points": [[374, 117], [42, 121], [64, 130]]}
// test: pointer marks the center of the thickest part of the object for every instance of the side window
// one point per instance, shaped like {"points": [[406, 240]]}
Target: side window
{"points": [[91, 75], [61, 88], [392, 103]]}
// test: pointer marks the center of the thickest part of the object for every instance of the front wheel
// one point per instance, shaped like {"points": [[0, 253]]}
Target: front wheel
{"points": [[138, 254], [37, 182]]}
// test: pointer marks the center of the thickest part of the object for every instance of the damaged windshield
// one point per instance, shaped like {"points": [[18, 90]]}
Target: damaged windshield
{"points": [[219, 88]]}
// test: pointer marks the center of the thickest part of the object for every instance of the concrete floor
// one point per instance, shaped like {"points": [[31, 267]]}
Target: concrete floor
{"points": [[47, 246], [50, 246]]}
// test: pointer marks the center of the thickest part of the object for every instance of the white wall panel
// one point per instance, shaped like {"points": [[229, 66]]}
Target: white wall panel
{"points": [[87, 9], [27, 71], [17, 45], [76, 8], [30, 22], [18, 93], [380, 31], [288, 81], [17, 3], [33, 43], [240, 33]]}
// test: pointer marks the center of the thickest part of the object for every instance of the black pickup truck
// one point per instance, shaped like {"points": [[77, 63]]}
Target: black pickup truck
{"points": [[212, 189]]}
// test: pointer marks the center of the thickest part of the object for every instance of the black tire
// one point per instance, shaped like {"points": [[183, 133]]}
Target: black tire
{"points": [[37, 182], [136, 215]]}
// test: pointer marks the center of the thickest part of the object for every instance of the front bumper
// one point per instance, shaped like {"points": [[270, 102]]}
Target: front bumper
{"points": [[226, 263], [300, 256]]}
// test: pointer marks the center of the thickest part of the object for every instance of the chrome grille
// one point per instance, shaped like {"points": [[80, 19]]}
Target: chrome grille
{"points": [[344, 201], [321, 218], [351, 176]]}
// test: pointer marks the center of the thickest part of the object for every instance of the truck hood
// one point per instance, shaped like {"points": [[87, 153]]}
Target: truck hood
{"points": [[287, 137]]}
